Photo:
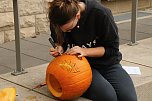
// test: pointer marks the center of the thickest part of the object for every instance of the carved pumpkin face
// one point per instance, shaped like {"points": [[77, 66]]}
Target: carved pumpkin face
{"points": [[68, 77], [8, 94]]}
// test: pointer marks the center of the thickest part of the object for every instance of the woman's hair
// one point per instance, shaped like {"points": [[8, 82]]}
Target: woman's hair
{"points": [[60, 12]]}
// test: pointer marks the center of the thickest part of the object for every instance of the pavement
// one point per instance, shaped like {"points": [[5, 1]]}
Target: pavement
{"points": [[35, 58]]}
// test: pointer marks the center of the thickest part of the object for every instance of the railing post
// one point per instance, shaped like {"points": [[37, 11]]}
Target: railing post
{"points": [[18, 70], [133, 22]]}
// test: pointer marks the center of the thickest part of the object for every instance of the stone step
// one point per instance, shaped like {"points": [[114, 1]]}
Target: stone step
{"points": [[36, 75]]}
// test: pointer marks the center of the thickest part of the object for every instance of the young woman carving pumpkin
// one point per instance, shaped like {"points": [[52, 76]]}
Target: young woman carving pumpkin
{"points": [[87, 28]]}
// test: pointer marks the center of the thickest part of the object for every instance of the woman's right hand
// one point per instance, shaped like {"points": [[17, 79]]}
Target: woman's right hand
{"points": [[56, 51]]}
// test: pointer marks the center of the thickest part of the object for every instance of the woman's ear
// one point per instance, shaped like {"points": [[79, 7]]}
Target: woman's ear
{"points": [[78, 15], [49, 4]]}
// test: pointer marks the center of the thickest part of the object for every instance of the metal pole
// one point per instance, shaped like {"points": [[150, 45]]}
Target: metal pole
{"points": [[18, 70], [133, 22]]}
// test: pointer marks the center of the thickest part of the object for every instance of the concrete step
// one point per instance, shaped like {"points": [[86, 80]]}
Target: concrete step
{"points": [[36, 75]]}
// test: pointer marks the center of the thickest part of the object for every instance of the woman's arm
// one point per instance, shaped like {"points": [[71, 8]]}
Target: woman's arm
{"points": [[88, 52]]}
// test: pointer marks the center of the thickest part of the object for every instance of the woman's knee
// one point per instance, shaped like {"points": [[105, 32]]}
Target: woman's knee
{"points": [[127, 96], [102, 96], [100, 89], [98, 92], [108, 96]]}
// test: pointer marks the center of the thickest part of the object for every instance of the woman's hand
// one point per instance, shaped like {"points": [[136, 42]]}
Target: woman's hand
{"points": [[76, 50], [89, 52], [57, 51]]}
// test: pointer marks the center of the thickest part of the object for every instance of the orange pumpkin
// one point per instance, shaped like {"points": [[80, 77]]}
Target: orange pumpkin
{"points": [[68, 77]]}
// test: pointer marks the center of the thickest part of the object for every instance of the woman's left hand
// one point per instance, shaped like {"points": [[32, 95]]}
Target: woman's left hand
{"points": [[76, 50]]}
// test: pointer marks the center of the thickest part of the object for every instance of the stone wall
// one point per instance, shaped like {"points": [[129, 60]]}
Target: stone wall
{"points": [[33, 19], [33, 16]]}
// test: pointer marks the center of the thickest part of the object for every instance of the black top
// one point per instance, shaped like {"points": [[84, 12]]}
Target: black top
{"points": [[96, 28]]}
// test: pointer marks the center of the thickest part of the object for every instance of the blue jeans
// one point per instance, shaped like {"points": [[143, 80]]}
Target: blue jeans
{"points": [[111, 84]]}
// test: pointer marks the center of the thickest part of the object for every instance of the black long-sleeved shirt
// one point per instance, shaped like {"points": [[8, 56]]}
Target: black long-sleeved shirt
{"points": [[96, 28]]}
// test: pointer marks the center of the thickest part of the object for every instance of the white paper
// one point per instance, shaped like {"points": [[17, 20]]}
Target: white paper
{"points": [[132, 70]]}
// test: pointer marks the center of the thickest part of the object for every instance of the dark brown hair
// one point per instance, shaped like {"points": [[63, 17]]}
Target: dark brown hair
{"points": [[60, 12]]}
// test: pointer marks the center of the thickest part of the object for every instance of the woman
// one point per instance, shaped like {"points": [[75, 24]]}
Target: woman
{"points": [[87, 28]]}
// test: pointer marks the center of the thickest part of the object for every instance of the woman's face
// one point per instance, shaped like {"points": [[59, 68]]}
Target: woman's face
{"points": [[71, 24]]}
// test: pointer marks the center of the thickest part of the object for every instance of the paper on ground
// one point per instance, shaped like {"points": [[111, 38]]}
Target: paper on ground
{"points": [[132, 70]]}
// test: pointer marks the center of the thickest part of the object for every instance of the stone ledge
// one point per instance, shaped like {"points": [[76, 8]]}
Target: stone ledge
{"points": [[36, 75]]}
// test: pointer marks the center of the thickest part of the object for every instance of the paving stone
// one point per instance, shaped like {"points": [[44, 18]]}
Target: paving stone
{"points": [[40, 39], [146, 21], [126, 35], [4, 69], [31, 49], [8, 59]]}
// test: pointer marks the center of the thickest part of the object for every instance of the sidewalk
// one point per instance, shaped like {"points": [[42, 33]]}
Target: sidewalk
{"points": [[35, 58]]}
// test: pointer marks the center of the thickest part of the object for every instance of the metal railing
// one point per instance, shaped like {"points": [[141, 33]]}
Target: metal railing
{"points": [[133, 22], [19, 70]]}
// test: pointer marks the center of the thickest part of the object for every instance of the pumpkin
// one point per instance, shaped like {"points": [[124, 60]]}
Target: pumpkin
{"points": [[8, 94], [68, 76]]}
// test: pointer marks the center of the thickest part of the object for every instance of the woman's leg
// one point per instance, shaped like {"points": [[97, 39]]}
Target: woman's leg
{"points": [[100, 89], [121, 82]]}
